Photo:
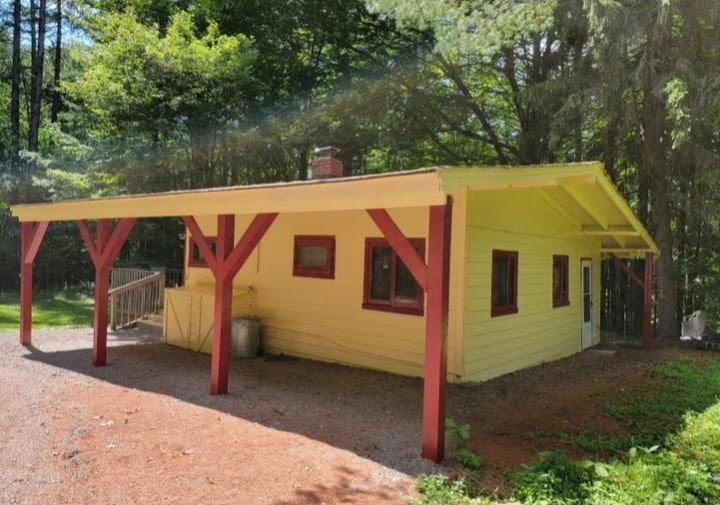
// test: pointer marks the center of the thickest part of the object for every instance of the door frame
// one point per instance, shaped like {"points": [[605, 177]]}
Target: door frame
{"points": [[586, 328]]}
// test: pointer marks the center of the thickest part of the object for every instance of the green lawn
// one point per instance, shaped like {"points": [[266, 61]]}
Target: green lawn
{"points": [[62, 308]]}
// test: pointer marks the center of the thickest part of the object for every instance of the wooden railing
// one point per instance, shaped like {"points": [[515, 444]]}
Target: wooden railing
{"points": [[139, 296]]}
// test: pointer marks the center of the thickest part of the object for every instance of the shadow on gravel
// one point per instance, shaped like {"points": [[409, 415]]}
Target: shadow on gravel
{"points": [[376, 415]]}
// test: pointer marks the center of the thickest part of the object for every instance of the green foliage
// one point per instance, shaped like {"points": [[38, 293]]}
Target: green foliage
{"points": [[438, 490], [680, 409], [700, 440], [659, 407], [554, 478], [70, 307], [655, 478], [458, 439]]}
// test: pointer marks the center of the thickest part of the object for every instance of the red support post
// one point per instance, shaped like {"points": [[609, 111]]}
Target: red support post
{"points": [[225, 263], [647, 301], [220, 361], [31, 237], [103, 251], [438, 277]]}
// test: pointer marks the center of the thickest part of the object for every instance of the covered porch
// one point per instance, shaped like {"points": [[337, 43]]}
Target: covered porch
{"points": [[376, 196]]}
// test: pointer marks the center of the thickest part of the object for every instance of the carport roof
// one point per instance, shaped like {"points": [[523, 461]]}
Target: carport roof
{"points": [[582, 193]]}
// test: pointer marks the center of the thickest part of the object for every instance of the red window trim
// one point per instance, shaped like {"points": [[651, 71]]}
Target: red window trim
{"points": [[417, 308], [192, 262], [327, 241], [510, 308], [565, 262]]}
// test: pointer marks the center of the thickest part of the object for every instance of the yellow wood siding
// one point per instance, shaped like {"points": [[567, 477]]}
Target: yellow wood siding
{"points": [[522, 220], [323, 318]]}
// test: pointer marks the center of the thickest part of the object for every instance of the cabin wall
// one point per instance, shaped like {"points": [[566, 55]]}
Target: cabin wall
{"points": [[323, 318], [522, 220]]}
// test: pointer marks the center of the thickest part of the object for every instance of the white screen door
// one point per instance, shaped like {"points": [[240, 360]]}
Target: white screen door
{"points": [[587, 303]]}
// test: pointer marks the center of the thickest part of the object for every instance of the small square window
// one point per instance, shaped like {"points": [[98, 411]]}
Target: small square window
{"points": [[389, 285], [504, 282], [314, 256], [561, 294], [196, 258]]}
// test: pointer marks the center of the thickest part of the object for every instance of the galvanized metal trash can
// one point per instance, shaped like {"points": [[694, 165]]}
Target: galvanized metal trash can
{"points": [[245, 337]]}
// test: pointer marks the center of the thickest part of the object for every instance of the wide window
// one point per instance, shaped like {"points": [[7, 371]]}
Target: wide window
{"points": [[196, 257], [314, 256], [561, 295], [389, 285], [504, 282]]}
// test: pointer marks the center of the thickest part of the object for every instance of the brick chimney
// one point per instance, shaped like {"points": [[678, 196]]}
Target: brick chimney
{"points": [[326, 166]]}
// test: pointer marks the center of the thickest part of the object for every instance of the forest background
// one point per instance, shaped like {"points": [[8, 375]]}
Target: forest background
{"points": [[106, 97]]}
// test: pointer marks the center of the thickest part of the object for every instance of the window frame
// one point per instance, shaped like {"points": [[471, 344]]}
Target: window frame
{"points": [[326, 241], [418, 307], [564, 261], [199, 263], [511, 285]]}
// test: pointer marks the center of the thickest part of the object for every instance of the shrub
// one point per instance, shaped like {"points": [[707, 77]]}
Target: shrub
{"points": [[437, 490]]}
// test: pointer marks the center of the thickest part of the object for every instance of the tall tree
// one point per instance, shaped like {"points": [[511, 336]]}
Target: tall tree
{"points": [[37, 84], [177, 90], [665, 50], [56, 103], [15, 93], [510, 76]]}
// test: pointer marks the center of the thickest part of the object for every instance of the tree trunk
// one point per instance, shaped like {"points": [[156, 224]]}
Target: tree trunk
{"points": [[37, 86], [56, 99], [15, 93], [653, 164]]}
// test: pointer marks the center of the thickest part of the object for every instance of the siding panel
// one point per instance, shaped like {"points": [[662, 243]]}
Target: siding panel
{"points": [[520, 220]]}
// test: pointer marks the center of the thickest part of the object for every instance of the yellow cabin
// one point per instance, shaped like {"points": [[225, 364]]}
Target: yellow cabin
{"points": [[525, 260], [458, 274]]}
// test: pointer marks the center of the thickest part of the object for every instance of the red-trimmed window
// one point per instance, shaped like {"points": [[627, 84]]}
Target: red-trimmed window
{"points": [[504, 282], [389, 285], [561, 294], [314, 256], [196, 258]]}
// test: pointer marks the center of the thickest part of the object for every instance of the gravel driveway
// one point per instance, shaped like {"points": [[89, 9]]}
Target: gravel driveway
{"points": [[144, 429]]}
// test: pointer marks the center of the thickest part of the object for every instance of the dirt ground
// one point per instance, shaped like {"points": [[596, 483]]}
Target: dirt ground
{"points": [[144, 429]]}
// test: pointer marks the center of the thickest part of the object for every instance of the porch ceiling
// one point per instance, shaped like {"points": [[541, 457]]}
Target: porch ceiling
{"points": [[581, 193]]}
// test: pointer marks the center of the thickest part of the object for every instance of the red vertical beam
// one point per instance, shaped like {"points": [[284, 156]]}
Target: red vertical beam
{"points": [[438, 271], [30, 239], [220, 361], [225, 263], [103, 251], [102, 286], [647, 301]]}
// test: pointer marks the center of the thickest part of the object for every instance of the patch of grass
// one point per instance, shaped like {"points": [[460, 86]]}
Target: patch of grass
{"points": [[676, 414], [679, 410], [654, 410], [63, 308], [657, 409], [589, 440], [554, 478], [438, 490]]}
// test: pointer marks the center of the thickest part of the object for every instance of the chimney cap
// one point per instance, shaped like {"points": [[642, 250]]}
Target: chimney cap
{"points": [[327, 151]]}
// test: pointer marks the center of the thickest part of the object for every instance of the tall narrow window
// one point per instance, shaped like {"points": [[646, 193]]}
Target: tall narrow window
{"points": [[504, 282], [314, 256], [561, 294], [389, 285], [196, 258]]}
